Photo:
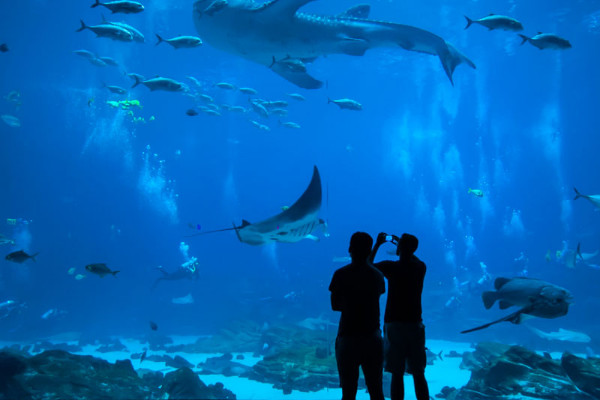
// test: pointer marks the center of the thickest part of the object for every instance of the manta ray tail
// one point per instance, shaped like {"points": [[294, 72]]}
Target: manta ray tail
{"points": [[515, 318], [451, 59]]}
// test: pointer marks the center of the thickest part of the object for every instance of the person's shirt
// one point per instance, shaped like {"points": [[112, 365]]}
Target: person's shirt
{"points": [[405, 285], [358, 288]]}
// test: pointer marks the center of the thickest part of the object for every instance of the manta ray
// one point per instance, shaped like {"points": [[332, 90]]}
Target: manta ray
{"points": [[276, 35], [293, 224]]}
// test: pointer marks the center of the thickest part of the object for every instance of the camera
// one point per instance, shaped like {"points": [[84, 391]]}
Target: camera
{"points": [[390, 238]]}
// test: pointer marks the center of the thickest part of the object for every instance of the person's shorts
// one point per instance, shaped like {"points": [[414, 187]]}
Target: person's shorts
{"points": [[404, 347]]}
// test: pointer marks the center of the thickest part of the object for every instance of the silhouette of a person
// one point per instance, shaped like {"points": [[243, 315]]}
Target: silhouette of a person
{"points": [[355, 291], [404, 332]]}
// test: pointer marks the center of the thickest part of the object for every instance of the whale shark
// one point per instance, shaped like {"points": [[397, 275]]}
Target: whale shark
{"points": [[295, 223], [275, 30]]}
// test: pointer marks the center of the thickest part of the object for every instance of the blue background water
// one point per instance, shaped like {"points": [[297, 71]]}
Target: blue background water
{"points": [[522, 127]]}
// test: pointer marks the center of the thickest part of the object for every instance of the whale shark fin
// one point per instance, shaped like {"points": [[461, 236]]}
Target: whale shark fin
{"points": [[358, 11], [281, 8], [354, 46], [301, 79]]}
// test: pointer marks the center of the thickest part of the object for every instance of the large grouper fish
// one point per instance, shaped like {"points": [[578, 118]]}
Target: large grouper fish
{"points": [[536, 298], [273, 31]]}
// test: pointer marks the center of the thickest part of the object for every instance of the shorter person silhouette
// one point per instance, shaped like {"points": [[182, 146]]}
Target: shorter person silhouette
{"points": [[404, 332], [355, 291]]}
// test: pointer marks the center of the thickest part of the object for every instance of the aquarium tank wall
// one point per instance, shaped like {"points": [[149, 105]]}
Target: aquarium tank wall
{"points": [[180, 181]]}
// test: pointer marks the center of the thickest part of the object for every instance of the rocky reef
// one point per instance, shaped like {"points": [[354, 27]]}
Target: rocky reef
{"points": [[57, 374], [500, 371]]}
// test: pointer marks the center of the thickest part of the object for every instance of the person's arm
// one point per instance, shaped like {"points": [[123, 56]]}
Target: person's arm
{"points": [[336, 296], [336, 301], [380, 240]]}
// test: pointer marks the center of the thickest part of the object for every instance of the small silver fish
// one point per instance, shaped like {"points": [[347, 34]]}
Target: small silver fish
{"points": [[347, 104], [547, 41], [181, 42]]}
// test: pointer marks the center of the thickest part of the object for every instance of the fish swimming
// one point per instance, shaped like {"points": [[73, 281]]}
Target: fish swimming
{"points": [[6, 240], [494, 21], [11, 120], [347, 104], [276, 30], [108, 31], [594, 198], [3, 48], [562, 335], [180, 42], [547, 41], [292, 225], [159, 83], [297, 96], [85, 54], [121, 6], [225, 85], [136, 34], [260, 126], [536, 298], [259, 109], [179, 274], [291, 125], [20, 257], [475, 192], [109, 61], [248, 91], [116, 89], [585, 257], [101, 270]]}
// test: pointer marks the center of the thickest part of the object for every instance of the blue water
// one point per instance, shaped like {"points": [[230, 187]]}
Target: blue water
{"points": [[100, 188]]}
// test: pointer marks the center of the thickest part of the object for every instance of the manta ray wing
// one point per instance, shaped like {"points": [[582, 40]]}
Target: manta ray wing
{"points": [[291, 225]]}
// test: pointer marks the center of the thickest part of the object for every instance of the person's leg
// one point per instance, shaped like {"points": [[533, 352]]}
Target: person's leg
{"points": [[372, 367], [417, 361], [421, 387], [345, 355], [398, 386]]}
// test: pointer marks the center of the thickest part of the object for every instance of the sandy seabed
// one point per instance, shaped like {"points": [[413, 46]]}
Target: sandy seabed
{"points": [[444, 372]]}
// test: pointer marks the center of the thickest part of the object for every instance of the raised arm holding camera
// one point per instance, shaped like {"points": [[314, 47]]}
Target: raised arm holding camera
{"points": [[404, 332]]}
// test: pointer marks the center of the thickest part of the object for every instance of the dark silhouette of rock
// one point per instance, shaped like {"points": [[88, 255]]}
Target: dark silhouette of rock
{"points": [[500, 371], [115, 345], [585, 373], [178, 362], [223, 365], [12, 365], [185, 384], [73, 376], [43, 346]]}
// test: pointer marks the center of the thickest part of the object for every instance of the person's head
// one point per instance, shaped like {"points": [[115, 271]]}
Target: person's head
{"points": [[360, 246], [407, 245]]}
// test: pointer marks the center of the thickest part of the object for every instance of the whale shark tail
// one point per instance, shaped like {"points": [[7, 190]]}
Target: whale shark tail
{"points": [[451, 58]]}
